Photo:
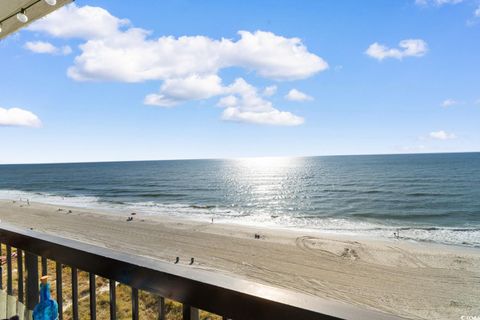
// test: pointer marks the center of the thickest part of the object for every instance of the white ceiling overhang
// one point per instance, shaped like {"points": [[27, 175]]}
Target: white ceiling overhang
{"points": [[34, 9]]}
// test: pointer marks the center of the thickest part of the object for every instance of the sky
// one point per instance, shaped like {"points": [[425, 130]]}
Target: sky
{"points": [[146, 80]]}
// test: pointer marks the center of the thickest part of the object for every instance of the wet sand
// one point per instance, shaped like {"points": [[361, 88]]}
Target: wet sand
{"points": [[413, 280]]}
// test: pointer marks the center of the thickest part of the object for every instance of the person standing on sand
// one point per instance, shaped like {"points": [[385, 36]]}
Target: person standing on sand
{"points": [[397, 234]]}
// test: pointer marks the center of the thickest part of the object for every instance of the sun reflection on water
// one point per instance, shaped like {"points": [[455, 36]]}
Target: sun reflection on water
{"points": [[270, 186]]}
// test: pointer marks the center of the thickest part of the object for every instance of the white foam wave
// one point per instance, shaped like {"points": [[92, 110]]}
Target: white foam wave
{"points": [[47, 198], [466, 236]]}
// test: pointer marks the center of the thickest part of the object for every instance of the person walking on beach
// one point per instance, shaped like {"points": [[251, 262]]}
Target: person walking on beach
{"points": [[396, 235]]}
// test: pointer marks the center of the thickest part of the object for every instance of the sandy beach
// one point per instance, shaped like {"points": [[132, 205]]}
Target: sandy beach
{"points": [[413, 280]]}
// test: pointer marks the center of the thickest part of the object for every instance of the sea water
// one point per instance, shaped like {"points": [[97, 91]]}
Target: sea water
{"points": [[424, 197]]}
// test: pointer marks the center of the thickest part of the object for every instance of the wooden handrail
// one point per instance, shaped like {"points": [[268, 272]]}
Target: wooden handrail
{"points": [[227, 296]]}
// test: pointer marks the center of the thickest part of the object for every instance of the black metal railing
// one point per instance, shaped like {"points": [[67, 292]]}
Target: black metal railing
{"points": [[196, 289]]}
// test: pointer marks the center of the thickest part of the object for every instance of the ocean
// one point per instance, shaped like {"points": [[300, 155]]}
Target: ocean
{"points": [[424, 197]]}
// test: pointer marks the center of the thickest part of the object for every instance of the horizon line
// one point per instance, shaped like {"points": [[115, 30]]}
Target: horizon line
{"points": [[239, 158]]}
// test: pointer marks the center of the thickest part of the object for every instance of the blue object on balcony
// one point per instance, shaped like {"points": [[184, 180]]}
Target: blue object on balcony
{"points": [[47, 308]]}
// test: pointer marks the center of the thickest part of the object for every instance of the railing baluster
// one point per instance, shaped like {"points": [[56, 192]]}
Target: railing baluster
{"points": [[74, 294], [58, 270], [31, 266], [1, 269], [190, 313], [134, 303], [93, 298], [161, 308], [10, 301], [186, 312], [9, 270], [113, 300], [194, 313], [44, 266], [20, 274]]}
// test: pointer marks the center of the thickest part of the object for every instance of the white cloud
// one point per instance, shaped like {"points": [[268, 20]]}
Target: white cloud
{"points": [[441, 135], [84, 22], [269, 91], [437, 2], [46, 47], [449, 102], [66, 50], [245, 105], [130, 56], [477, 12], [175, 91], [114, 50], [408, 48], [273, 56], [40, 47], [296, 95], [241, 100], [18, 117], [273, 117], [477, 102]]}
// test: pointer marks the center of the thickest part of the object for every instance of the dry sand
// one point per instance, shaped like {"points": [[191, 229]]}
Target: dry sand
{"points": [[413, 280]]}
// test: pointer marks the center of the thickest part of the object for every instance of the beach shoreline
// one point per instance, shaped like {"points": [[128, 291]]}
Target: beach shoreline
{"points": [[410, 279]]}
